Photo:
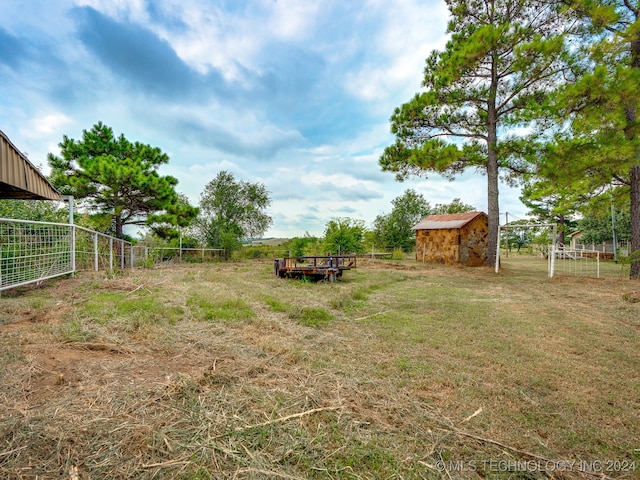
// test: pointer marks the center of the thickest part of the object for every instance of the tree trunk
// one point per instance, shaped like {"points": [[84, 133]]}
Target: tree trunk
{"points": [[118, 220], [562, 221], [493, 206], [634, 173], [634, 247]]}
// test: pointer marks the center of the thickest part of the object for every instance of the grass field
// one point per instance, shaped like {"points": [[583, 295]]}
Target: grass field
{"points": [[398, 371]]}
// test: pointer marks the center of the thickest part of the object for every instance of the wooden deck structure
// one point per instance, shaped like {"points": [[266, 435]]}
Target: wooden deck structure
{"points": [[316, 268]]}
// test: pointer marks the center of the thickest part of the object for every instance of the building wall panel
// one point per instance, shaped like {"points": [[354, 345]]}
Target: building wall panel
{"points": [[19, 178], [466, 245]]}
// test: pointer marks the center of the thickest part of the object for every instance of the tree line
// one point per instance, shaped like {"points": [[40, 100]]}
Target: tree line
{"points": [[116, 184]]}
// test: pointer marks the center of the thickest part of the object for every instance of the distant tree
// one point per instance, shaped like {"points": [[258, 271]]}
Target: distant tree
{"points": [[520, 237], [456, 206], [344, 235], [598, 217], [550, 202], [232, 210], [393, 230], [502, 58], [118, 179], [35, 210], [306, 245]]}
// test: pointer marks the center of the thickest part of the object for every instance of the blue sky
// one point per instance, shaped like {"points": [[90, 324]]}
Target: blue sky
{"points": [[293, 94]]}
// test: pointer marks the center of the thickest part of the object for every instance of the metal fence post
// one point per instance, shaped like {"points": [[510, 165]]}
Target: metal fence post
{"points": [[96, 264], [72, 235]]}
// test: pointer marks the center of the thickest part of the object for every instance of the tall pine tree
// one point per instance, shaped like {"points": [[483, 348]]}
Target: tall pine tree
{"points": [[600, 146], [119, 178], [502, 59]]}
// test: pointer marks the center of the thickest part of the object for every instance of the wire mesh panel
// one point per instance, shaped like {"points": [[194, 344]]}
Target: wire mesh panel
{"points": [[36, 251], [579, 263], [33, 251], [97, 251]]}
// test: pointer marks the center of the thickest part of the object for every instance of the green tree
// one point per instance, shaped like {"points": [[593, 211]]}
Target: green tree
{"points": [[35, 210], [598, 217], [119, 179], [393, 230], [306, 245], [519, 237], [549, 202], [600, 148], [231, 210], [344, 235], [173, 226], [501, 60], [456, 206]]}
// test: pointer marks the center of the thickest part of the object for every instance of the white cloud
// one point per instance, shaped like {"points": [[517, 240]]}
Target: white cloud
{"points": [[46, 125], [292, 19], [411, 30]]}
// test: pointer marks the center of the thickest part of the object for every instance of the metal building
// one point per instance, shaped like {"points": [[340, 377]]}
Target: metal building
{"points": [[19, 178]]}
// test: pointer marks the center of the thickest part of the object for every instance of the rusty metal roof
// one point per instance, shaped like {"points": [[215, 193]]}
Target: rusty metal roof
{"points": [[19, 178], [452, 220]]}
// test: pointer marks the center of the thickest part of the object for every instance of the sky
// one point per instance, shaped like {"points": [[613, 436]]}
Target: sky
{"points": [[295, 95]]}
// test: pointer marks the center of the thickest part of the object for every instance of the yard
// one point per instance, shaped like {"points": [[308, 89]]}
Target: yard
{"points": [[400, 370]]}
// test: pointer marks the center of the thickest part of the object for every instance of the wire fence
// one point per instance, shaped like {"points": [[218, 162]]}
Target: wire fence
{"points": [[574, 262], [31, 251], [144, 255]]}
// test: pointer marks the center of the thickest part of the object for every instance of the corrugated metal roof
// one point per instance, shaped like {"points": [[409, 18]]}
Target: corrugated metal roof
{"points": [[19, 179], [453, 220]]}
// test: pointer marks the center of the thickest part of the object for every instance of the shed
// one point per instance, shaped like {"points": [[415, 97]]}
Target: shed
{"points": [[459, 238], [19, 179], [576, 238]]}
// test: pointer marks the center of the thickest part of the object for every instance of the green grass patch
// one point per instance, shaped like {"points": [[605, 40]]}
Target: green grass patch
{"points": [[277, 305], [107, 307], [311, 316], [233, 309]]}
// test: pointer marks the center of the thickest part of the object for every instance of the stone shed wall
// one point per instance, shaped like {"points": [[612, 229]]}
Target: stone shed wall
{"points": [[466, 245], [473, 242]]}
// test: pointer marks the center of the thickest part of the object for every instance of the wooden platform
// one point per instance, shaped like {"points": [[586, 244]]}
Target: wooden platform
{"points": [[316, 268]]}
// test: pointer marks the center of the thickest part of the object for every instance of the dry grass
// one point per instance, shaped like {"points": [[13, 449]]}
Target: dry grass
{"points": [[401, 370]]}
